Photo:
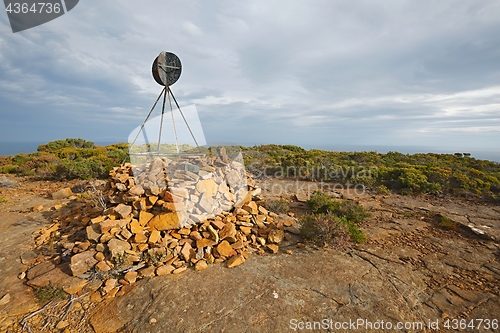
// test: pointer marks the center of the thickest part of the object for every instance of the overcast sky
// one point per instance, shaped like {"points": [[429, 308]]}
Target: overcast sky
{"points": [[312, 73]]}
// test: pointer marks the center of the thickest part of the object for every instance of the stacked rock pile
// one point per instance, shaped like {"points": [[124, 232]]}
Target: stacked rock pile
{"points": [[150, 230]]}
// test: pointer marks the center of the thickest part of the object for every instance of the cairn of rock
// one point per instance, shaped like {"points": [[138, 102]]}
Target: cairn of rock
{"points": [[152, 229]]}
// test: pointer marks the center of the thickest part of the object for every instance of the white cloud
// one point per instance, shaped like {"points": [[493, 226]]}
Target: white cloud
{"points": [[311, 71]]}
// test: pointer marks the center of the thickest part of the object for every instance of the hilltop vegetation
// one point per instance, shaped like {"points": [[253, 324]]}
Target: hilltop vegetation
{"points": [[403, 173], [66, 159]]}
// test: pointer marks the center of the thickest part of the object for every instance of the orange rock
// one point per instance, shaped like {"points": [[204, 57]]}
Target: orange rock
{"points": [[140, 238], [201, 265], [144, 217], [273, 248], [225, 249], [204, 242], [154, 237], [164, 270], [166, 221], [135, 227], [235, 261]]}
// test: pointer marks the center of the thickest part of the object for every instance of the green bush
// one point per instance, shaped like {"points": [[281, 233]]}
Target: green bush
{"points": [[332, 218], [49, 293], [9, 168], [446, 223], [321, 203], [323, 228], [68, 143], [382, 189]]}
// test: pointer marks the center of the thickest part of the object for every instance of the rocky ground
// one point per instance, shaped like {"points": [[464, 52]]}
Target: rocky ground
{"points": [[411, 269]]}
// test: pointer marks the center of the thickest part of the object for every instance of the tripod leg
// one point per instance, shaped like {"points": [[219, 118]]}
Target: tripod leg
{"points": [[173, 121], [161, 121], [144, 123], [185, 121]]}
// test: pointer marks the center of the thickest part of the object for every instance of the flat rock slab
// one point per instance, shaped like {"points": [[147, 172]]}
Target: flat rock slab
{"points": [[268, 292]]}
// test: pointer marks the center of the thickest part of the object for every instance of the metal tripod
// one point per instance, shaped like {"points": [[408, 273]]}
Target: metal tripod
{"points": [[167, 93]]}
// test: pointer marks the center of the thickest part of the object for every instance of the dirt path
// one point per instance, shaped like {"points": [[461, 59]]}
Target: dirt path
{"points": [[409, 271]]}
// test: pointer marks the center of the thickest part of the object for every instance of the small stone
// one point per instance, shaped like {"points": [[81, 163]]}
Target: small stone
{"points": [[122, 210], [195, 235], [154, 237], [263, 211], [213, 233], [102, 266], [126, 233], [62, 324], [225, 249], [98, 219], [289, 251], [135, 227], [131, 277], [186, 251], [112, 292], [92, 233], [165, 270], [28, 257], [273, 248], [201, 265], [140, 238], [218, 224], [62, 194], [179, 270], [107, 225], [246, 230], [184, 231], [99, 256], [152, 320], [288, 223], [228, 231], [5, 299], [261, 241], [37, 208], [82, 262], [136, 190], [251, 208], [148, 271], [144, 217], [109, 285], [166, 221], [117, 247], [276, 236], [95, 297], [235, 261]]}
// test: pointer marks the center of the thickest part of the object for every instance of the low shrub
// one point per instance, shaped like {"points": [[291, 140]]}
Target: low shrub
{"points": [[278, 206], [382, 189], [9, 168], [324, 228], [446, 223], [331, 219], [49, 293]]}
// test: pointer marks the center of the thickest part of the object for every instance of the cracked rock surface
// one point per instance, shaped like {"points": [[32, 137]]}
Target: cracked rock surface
{"points": [[410, 269]]}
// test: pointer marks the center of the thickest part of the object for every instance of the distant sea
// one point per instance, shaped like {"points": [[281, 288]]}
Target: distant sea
{"points": [[13, 148]]}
